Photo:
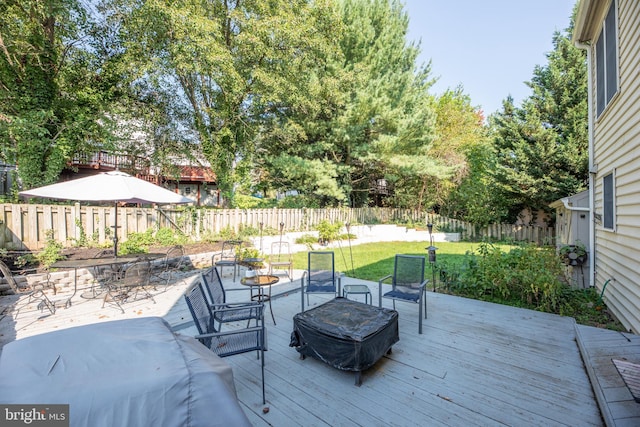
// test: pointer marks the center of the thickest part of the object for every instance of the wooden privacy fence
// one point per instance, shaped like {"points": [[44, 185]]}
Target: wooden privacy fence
{"points": [[27, 226]]}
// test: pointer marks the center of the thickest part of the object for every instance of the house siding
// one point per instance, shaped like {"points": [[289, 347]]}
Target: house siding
{"points": [[616, 145]]}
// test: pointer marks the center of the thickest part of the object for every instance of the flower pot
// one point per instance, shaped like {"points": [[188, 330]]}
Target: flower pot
{"points": [[573, 255]]}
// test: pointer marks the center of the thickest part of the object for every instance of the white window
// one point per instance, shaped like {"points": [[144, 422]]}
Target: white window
{"points": [[608, 202], [607, 60]]}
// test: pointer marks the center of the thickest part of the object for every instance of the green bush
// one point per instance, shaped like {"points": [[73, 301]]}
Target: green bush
{"points": [[526, 275], [140, 242], [243, 201], [52, 251], [169, 237], [248, 252], [328, 231], [137, 243], [228, 233], [307, 239], [298, 202], [248, 231]]}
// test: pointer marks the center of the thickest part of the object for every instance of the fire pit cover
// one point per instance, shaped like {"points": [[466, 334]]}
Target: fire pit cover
{"points": [[346, 334]]}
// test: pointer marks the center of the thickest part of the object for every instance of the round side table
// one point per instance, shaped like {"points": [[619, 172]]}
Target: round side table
{"points": [[260, 281]]}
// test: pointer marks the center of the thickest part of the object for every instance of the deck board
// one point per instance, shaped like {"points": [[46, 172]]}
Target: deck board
{"points": [[476, 363]]}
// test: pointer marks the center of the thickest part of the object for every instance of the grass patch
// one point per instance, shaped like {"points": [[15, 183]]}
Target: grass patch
{"points": [[371, 261]]}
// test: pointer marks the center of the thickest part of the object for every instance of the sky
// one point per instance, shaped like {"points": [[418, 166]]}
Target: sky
{"points": [[489, 47]]}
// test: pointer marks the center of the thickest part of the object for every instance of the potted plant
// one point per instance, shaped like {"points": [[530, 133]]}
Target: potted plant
{"points": [[252, 259], [573, 255]]}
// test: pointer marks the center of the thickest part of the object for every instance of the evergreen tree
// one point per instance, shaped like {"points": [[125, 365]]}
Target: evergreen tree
{"points": [[542, 147], [374, 118], [389, 122]]}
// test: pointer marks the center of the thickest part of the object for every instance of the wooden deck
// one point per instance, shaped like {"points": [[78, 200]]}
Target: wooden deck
{"points": [[476, 363]]}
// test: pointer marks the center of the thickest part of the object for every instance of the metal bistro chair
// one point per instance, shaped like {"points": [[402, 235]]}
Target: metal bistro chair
{"points": [[103, 274], [407, 283], [172, 265], [135, 280], [34, 292], [320, 276], [228, 343], [280, 258], [218, 302], [228, 256]]}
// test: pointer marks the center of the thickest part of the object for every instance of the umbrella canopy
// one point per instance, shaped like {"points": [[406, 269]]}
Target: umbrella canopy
{"points": [[115, 186]]}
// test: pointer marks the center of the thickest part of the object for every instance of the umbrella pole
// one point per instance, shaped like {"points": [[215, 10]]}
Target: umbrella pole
{"points": [[115, 232]]}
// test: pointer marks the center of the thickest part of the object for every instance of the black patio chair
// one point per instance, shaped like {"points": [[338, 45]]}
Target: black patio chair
{"points": [[135, 280], [320, 276], [172, 265], [407, 283], [229, 343], [103, 274], [217, 298], [35, 291]]}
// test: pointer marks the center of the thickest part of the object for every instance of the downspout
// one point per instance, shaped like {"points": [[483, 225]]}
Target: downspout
{"points": [[592, 170]]}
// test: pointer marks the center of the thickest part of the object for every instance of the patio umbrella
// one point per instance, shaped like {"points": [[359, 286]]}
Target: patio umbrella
{"points": [[115, 186]]}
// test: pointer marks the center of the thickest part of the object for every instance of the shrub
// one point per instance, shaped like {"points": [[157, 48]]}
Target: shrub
{"points": [[526, 275], [228, 233], [137, 243], [168, 237], [248, 252], [243, 201], [298, 202], [328, 232], [52, 251], [306, 239]]}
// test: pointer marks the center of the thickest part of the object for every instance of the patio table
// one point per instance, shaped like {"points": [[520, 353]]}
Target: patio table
{"points": [[260, 281], [89, 263]]}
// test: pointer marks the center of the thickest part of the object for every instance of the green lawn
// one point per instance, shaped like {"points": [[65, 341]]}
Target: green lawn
{"points": [[372, 261]]}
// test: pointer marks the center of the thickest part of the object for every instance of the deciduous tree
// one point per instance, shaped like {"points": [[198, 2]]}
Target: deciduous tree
{"points": [[229, 66], [49, 107]]}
